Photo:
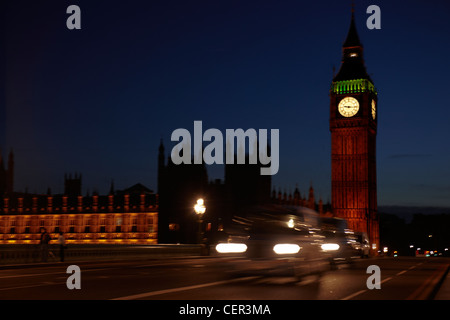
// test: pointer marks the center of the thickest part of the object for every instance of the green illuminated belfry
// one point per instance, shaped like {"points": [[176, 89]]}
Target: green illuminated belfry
{"points": [[353, 86]]}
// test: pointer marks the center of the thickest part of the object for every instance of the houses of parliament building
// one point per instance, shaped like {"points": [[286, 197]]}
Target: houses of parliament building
{"points": [[128, 216]]}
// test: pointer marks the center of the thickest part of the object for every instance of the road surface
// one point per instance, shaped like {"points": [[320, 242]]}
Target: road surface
{"points": [[207, 279]]}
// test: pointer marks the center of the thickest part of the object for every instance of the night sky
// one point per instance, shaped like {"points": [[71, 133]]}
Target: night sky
{"points": [[97, 101]]}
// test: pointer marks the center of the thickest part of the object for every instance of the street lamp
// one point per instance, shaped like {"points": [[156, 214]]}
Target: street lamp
{"points": [[200, 209]]}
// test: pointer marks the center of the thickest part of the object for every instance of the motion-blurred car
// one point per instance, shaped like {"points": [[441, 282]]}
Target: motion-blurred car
{"points": [[340, 241], [362, 245], [275, 240]]}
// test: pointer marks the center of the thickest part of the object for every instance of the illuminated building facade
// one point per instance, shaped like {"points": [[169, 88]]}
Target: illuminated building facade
{"points": [[353, 126], [126, 217]]}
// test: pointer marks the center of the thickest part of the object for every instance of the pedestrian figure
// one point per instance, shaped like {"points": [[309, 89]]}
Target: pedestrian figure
{"points": [[45, 239], [62, 245]]}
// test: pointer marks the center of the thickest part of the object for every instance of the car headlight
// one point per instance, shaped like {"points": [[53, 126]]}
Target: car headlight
{"points": [[330, 247], [231, 247], [286, 248]]}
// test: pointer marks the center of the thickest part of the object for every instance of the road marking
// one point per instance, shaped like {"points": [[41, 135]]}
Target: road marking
{"points": [[385, 280], [412, 296], [425, 290], [362, 291], [173, 290]]}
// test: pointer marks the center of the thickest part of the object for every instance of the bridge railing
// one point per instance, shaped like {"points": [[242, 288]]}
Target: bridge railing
{"points": [[22, 254]]}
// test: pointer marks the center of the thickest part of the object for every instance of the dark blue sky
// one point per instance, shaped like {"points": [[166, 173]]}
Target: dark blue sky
{"points": [[98, 100]]}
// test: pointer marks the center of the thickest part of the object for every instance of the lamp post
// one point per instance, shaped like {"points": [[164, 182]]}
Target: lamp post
{"points": [[200, 210]]}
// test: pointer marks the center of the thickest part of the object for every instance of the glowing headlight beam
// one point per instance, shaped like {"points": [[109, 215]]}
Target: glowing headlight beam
{"points": [[330, 247], [231, 247], [286, 248], [291, 223]]}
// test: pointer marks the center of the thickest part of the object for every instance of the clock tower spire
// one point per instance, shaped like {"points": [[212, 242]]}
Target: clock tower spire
{"points": [[353, 126], [352, 66]]}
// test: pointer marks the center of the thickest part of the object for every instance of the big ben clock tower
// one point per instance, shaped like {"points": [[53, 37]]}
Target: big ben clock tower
{"points": [[353, 126]]}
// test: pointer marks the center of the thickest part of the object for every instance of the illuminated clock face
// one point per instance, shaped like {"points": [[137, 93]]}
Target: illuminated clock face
{"points": [[374, 110], [348, 107]]}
